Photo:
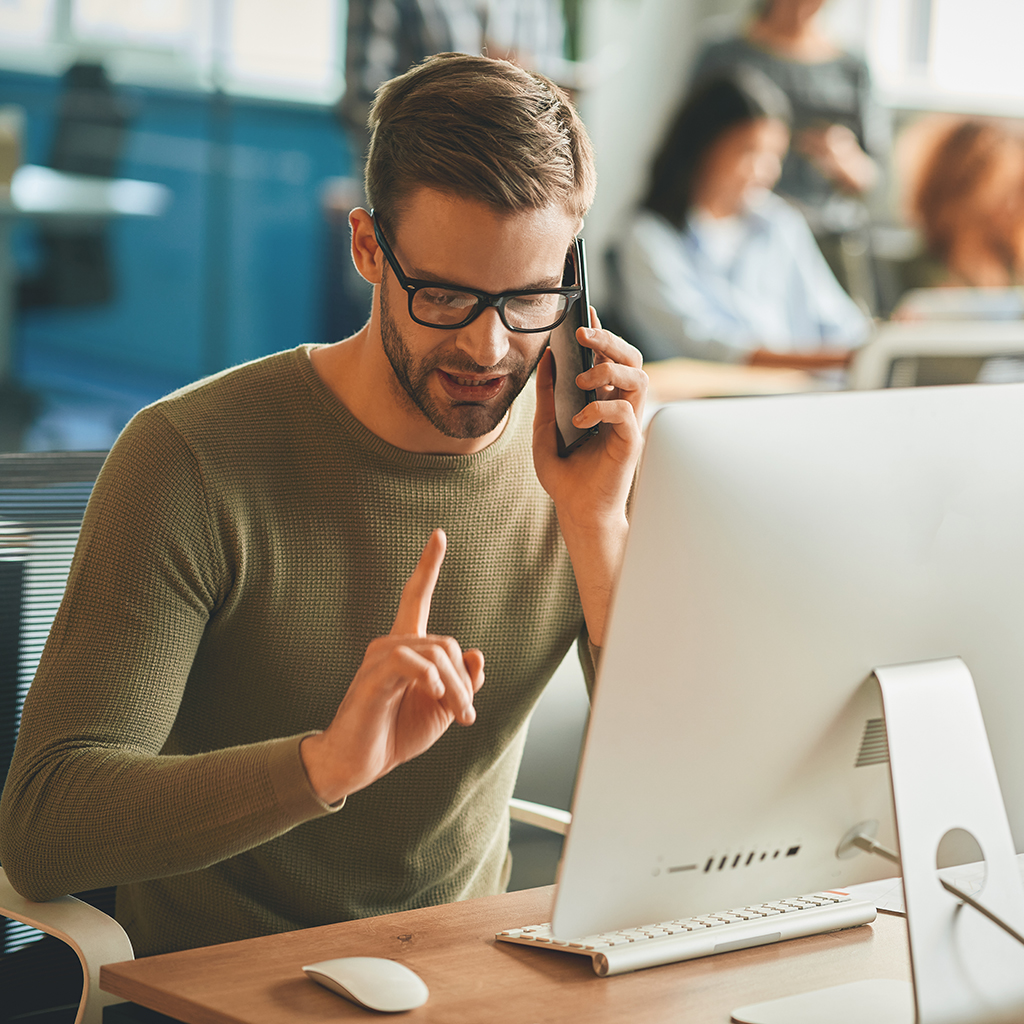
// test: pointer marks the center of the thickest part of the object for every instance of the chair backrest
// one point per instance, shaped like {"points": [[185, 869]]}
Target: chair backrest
{"points": [[76, 264], [92, 122], [42, 499], [914, 353]]}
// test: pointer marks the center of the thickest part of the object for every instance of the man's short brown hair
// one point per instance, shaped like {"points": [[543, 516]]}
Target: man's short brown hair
{"points": [[479, 129]]}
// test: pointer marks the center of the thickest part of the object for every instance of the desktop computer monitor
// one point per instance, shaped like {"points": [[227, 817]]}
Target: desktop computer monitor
{"points": [[780, 550]]}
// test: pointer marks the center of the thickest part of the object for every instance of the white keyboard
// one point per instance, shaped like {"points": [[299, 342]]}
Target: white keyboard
{"points": [[669, 941]]}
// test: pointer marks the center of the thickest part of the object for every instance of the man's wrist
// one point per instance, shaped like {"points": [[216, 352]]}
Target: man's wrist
{"points": [[596, 553], [318, 765], [594, 531]]}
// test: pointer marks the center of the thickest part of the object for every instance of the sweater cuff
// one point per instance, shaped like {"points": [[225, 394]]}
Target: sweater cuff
{"points": [[291, 784]]}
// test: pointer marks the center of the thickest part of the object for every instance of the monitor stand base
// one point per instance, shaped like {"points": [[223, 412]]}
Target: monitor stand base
{"points": [[967, 967], [858, 1002]]}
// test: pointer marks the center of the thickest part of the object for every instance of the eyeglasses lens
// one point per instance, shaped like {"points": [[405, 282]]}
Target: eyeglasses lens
{"points": [[445, 306], [532, 312]]}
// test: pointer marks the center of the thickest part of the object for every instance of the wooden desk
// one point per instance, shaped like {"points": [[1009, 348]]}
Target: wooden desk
{"points": [[57, 198], [475, 980]]}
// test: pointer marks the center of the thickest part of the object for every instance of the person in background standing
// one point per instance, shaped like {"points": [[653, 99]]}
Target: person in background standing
{"points": [[386, 37], [840, 135]]}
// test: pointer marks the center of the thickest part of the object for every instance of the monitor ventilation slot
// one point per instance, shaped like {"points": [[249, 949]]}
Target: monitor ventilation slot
{"points": [[874, 747], [743, 859]]}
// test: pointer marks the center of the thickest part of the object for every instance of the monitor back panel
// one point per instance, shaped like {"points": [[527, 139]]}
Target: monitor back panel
{"points": [[779, 550]]}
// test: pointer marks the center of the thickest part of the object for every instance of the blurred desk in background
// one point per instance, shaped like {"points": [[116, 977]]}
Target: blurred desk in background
{"points": [[45, 195], [58, 200], [673, 380]]}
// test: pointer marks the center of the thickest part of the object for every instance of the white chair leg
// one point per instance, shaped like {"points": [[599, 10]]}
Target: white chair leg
{"points": [[551, 819], [97, 939]]}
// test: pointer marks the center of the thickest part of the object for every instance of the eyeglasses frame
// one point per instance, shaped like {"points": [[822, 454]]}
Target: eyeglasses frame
{"points": [[484, 299]]}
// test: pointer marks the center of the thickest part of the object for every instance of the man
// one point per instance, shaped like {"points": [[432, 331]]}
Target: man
{"points": [[243, 714]]}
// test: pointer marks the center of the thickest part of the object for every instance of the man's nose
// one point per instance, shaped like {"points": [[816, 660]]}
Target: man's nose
{"points": [[485, 340]]}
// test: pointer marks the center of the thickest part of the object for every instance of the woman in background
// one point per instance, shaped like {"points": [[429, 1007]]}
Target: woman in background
{"points": [[713, 264], [836, 124], [966, 194]]}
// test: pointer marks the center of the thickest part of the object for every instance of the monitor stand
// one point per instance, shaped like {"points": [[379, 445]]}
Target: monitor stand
{"points": [[968, 967]]}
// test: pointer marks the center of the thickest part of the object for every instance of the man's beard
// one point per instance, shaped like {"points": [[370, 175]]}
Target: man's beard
{"points": [[453, 419]]}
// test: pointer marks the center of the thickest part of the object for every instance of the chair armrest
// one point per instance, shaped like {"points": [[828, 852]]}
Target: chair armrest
{"points": [[551, 819], [95, 937]]}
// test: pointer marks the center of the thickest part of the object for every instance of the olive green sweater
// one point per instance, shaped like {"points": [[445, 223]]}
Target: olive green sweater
{"points": [[246, 539]]}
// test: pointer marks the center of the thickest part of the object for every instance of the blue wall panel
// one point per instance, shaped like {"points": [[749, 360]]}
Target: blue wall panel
{"points": [[233, 270]]}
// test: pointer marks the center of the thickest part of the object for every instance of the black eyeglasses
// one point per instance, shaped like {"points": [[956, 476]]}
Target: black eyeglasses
{"points": [[447, 306]]}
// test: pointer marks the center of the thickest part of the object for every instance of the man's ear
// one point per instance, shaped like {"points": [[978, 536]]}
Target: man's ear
{"points": [[366, 253]]}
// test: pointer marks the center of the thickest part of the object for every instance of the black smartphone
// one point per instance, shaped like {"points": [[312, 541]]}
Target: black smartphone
{"points": [[571, 358]]}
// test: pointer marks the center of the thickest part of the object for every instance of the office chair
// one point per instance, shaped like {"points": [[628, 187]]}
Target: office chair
{"points": [[929, 352], [95, 937], [42, 500]]}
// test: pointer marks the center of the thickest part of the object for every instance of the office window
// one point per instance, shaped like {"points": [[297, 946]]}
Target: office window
{"points": [[975, 48], [26, 22], [167, 23], [293, 44], [288, 50], [956, 54]]}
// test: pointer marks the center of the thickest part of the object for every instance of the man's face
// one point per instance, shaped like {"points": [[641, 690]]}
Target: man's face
{"points": [[464, 380], [486, 403]]}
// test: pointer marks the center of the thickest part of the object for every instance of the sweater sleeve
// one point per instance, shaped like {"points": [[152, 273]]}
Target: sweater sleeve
{"points": [[90, 800]]}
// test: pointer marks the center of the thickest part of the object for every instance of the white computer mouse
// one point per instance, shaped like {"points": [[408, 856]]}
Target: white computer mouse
{"points": [[371, 981]]}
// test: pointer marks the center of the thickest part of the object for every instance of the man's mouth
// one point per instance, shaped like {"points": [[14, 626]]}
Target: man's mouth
{"points": [[470, 389]]}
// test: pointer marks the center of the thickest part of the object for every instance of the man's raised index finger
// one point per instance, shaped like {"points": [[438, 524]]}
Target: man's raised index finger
{"points": [[414, 607]]}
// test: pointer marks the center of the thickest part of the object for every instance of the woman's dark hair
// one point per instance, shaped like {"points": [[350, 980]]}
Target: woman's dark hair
{"points": [[715, 105]]}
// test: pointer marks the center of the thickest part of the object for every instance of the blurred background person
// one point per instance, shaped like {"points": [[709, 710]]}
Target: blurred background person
{"points": [[386, 37], [714, 265], [965, 192], [839, 133]]}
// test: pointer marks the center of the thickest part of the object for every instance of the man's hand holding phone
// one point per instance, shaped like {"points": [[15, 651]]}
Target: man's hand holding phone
{"points": [[592, 484], [575, 349], [409, 689]]}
